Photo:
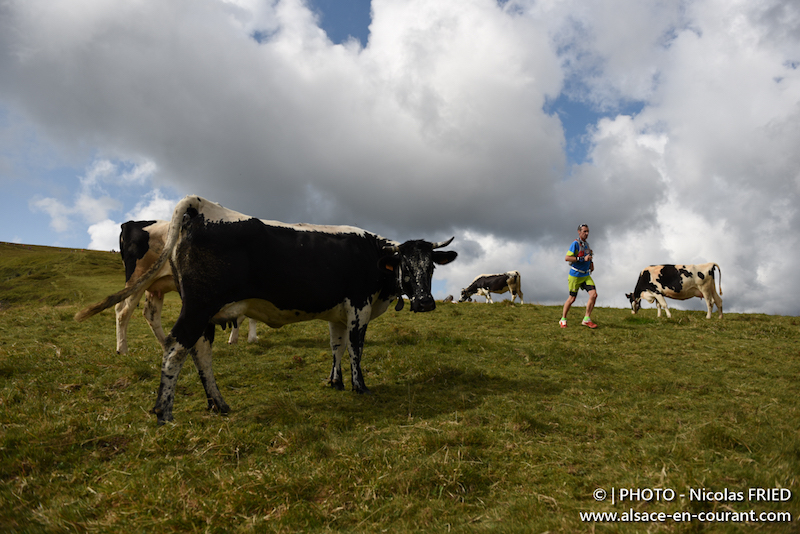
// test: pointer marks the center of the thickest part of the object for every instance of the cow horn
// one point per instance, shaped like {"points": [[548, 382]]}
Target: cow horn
{"points": [[392, 248], [442, 244]]}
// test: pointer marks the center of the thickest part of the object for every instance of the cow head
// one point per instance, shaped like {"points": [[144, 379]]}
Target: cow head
{"points": [[636, 302], [466, 296], [413, 263]]}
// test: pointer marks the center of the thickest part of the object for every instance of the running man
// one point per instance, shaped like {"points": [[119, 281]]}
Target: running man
{"points": [[579, 257]]}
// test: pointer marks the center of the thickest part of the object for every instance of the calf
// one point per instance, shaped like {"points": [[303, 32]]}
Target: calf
{"points": [[678, 282], [227, 264], [140, 244], [494, 283]]}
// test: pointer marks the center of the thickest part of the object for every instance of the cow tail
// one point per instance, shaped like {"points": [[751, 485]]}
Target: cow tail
{"points": [[172, 238], [720, 278]]}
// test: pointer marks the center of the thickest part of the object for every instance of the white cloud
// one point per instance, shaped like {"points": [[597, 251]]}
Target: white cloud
{"points": [[139, 174], [100, 171], [86, 209], [93, 209], [58, 212], [154, 206], [419, 108], [105, 235]]}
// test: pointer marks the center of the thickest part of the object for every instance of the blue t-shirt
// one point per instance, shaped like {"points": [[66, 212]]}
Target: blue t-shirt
{"points": [[580, 268]]}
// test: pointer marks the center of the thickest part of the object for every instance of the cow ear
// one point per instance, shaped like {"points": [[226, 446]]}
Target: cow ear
{"points": [[444, 257], [389, 263]]}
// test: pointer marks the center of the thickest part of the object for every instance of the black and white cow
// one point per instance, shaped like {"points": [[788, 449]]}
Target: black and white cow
{"points": [[494, 283], [140, 245], [678, 282], [227, 264]]}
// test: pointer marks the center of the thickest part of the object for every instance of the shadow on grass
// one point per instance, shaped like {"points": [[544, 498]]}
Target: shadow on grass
{"points": [[442, 391]]}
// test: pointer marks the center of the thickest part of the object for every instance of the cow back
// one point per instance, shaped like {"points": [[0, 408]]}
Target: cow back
{"points": [[294, 269]]}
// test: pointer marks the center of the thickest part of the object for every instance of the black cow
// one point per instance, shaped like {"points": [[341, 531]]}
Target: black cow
{"points": [[227, 264], [679, 282], [494, 283], [140, 245]]}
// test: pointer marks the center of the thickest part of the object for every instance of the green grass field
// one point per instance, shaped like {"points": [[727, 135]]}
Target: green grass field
{"points": [[482, 418]]}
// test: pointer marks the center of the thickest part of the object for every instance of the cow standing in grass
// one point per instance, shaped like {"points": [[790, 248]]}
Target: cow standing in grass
{"points": [[227, 264], [485, 284], [140, 245], [678, 282]]}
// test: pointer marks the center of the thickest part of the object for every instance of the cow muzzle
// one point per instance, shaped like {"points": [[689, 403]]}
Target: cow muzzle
{"points": [[424, 304]]}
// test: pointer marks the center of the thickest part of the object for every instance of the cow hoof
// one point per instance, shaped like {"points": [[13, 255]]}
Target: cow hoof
{"points": [[163, 417], [338, 385], [363, 391], [222, 408], [162, 420]]}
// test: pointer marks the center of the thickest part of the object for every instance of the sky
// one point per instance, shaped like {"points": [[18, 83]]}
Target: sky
{"points": [[671, 128]]}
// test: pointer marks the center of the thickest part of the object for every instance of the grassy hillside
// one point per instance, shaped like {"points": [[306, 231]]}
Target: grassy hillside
{"points": [[56, 276], [482, 418]]}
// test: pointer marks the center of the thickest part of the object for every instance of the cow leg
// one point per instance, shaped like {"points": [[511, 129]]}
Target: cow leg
{"points": [[519, 292], [202, 361], [489, 298], [171, 364], [153, 304], [234, 337], [718, 301], [124, 311], [711, 299], [123, 318], [185, 337], [709, 304], [338, 346], [356, 332], [252, 336], [662, 303]]}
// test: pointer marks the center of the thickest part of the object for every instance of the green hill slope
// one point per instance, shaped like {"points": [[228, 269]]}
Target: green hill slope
{"points": [[483, 418], [57, 276]]}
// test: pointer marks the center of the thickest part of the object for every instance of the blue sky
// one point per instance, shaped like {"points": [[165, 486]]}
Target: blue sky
{"points": [[671, 128], [342, 19]]}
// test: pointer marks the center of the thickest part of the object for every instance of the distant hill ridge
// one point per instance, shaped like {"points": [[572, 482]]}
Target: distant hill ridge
{"points": [[55, 275]]}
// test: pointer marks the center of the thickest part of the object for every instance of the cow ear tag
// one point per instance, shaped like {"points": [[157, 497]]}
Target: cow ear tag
{"points": [[400, 304]]}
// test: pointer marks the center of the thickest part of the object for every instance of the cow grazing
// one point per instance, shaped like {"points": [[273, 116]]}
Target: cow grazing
{"points": [[140, 244], [679, 282], [494, 283], [227, 264]]}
